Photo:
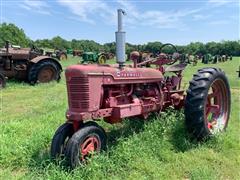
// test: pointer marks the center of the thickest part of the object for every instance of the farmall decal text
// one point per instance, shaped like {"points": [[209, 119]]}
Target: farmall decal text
{"points": [[127, 74]]}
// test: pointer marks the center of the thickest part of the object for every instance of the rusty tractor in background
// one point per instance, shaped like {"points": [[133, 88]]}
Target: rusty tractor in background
{"points": [[116, 92], [58, 54], [108, 55], [142, 56], [77, 53], [27, 64]]}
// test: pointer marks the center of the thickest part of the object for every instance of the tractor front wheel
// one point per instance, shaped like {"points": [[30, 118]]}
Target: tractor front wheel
{"points": [[60, 139], [207, 105], [2, 81], [89, 139]]}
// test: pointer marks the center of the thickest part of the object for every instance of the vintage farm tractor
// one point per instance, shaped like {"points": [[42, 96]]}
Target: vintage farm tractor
{"points": [[27, 64], [58, 54], [77, 53], [115, 92], [92, 57]]}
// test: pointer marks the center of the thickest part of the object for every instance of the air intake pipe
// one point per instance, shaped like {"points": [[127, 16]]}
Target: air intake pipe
{"points": [[120, 40]]}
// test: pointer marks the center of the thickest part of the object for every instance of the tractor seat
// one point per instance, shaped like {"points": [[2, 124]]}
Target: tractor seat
{"points": [[176, 68]]}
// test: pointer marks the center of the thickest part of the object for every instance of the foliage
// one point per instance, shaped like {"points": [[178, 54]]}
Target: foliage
{"points": [[17, 36], [86, 45], [13, 34]]}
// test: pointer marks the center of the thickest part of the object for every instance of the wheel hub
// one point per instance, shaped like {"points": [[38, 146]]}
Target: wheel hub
{"points": [[46, 75], [90, 145], [216, 107]]}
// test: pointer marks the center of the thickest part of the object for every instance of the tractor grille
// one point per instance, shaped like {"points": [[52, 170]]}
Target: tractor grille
{"points": [[79, 92]]}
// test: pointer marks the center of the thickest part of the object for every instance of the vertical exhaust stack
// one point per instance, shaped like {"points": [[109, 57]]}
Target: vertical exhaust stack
{"points": [[120, 40], [7, 46]]}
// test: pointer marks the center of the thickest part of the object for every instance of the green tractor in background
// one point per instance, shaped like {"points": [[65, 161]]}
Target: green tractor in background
{"points": [[69, 51], [207, 58], [99, 58]]}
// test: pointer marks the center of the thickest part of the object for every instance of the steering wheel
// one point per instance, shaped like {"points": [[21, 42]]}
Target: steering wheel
{"points": [[35, 49], [173, 57]]}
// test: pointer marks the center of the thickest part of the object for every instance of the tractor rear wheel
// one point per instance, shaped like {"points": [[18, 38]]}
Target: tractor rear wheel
{"points": [[207, 105], [60, 139], [2, 81], [62, 56], [87, 140], [44, 72], [101, 59]]}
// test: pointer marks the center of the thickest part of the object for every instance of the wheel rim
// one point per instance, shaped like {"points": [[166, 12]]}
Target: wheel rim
{"points": [[47, 74], [216, 107], [90, 144], [101, 60]]}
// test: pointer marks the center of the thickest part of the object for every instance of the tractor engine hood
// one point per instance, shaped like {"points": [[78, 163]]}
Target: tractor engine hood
{"points": [[114, 74]]}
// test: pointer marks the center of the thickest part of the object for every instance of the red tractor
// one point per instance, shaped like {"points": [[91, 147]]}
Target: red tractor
{"points": [[112, 93]]}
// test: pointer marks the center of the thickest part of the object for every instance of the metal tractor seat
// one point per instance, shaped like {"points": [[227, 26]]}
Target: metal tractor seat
{"points": [[175, 68]]}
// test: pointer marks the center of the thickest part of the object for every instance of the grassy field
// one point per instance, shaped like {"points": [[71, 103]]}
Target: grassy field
{"points": [[157, 149]]}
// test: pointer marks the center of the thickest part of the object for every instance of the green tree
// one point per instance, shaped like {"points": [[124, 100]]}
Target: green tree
{"points": [[60, 43], [153, 47], [43, 43], [13, 34]]}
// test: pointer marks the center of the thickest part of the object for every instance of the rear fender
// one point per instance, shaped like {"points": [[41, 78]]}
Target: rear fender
{"points": [[46, 58]]}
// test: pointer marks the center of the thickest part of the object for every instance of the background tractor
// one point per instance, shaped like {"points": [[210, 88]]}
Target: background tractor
{"points": [[112, 93], [99, 58], [58, 54], [207, 58], [27, 64], [77, 53]]}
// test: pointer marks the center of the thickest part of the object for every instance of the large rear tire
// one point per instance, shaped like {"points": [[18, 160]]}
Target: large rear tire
{"points": [[62, 56], [207, 105], [44, 72]]}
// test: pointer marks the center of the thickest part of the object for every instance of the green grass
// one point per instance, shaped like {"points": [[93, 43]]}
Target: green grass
{"points": [[157, 149]]}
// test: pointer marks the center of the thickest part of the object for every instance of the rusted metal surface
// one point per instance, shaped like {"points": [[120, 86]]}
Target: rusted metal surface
{"points": [[77, 52]]}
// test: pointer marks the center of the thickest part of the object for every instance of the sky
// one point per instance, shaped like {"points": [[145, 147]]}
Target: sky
{"points": [[168, 21]]}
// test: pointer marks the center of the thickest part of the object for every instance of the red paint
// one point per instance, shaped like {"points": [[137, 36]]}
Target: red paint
{"points": [[105, 91], [89, 145], [216, 111]]}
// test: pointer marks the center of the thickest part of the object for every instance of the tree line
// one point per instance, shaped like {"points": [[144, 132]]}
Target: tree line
{"points": [[10, 32]]}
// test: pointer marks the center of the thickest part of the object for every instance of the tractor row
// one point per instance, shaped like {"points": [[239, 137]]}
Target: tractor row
{"points": [[27, 64], [35, 65], [205, 59]]}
